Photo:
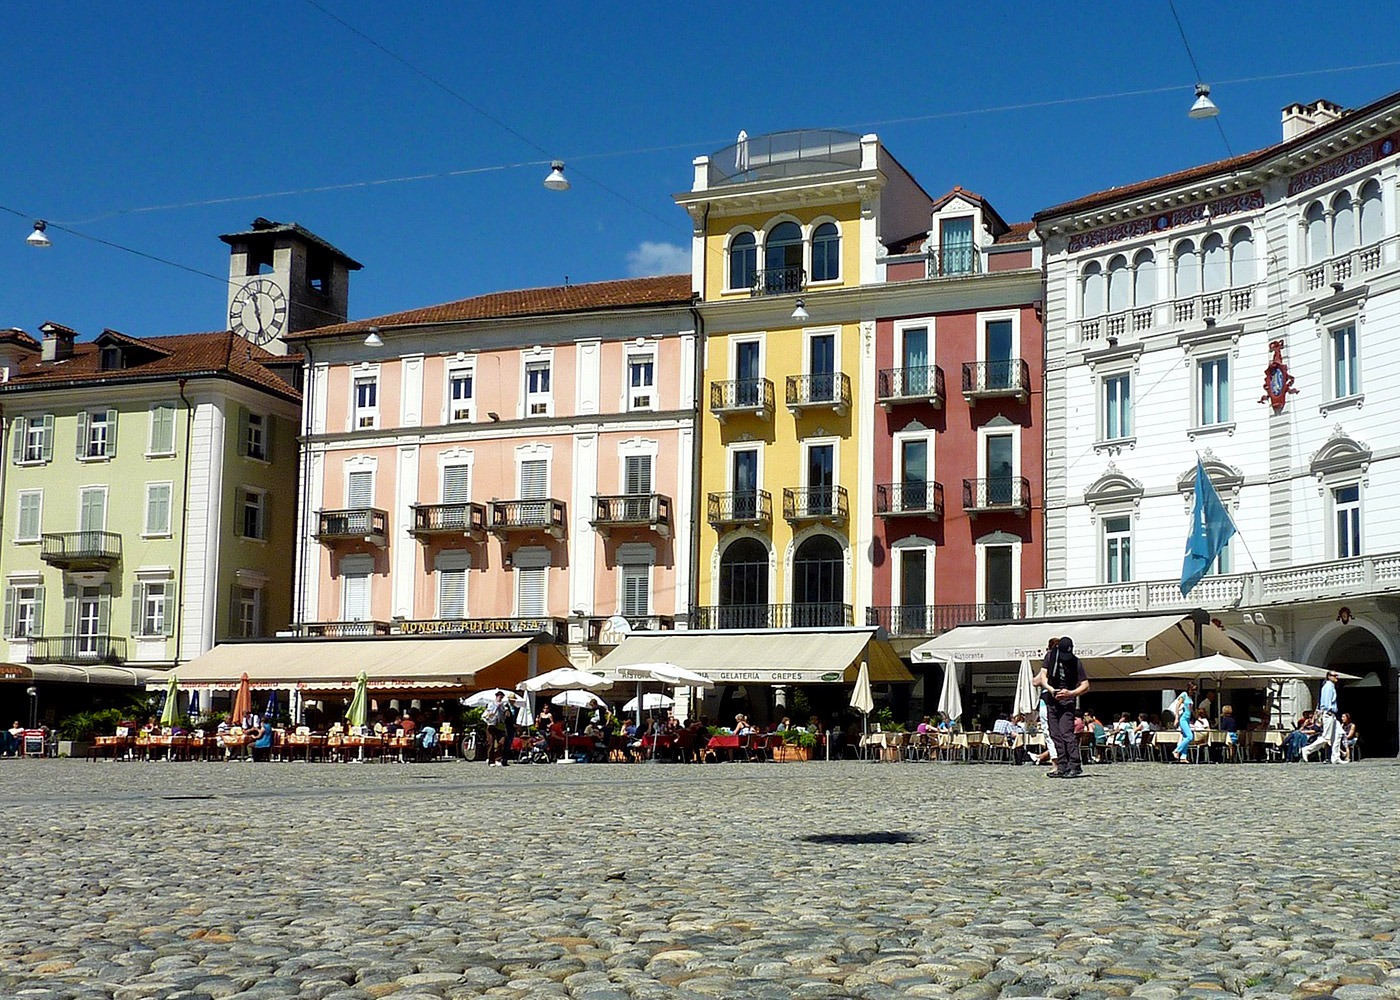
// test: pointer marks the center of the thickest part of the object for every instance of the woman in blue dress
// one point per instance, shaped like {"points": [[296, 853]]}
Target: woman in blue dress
{"points": [[1181, 708]]}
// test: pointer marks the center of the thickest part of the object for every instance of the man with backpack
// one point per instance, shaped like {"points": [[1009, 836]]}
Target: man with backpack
{"points": [[1063, 679]]}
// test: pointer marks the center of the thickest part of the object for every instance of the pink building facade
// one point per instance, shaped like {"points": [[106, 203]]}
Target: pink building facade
{"points": [[514, 462]]}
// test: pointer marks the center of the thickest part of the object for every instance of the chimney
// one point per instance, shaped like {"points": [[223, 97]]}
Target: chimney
{"points": [[58, 342], [1300, 118]]}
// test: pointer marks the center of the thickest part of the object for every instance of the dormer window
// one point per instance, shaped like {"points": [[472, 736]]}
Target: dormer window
{"points": [[956, 253], [111, 358]]}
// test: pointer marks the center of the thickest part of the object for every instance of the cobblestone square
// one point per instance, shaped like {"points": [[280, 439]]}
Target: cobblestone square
{"points": [[609, 882]]}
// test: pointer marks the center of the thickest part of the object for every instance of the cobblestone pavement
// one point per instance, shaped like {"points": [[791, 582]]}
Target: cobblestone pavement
{"points": [[613, 882]]}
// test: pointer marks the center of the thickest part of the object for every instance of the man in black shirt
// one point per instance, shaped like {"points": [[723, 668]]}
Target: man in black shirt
{"points": [[1065, 681]]}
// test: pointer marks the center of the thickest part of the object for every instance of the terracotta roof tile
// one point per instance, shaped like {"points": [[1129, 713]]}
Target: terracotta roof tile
{"points": [[15, 335], [191, 354], [908, 245], [665, 290], [1018, 232]]}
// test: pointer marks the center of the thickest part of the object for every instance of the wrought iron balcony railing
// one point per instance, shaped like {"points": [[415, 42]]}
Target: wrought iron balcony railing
{"points": [[911, 385], [913, 499], [1009, 493], [81, 549], [368, 524], [430, 519], [750, 616], [815, 503], [919, 619], [742, 395], [778, 281], [76, 649], [753, 507], [992, 379], [829, 391], [632, 510], [954, 262], [529, 515]]}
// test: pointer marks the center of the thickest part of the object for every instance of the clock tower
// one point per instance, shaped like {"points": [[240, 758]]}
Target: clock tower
{"points": [[283, 278]]}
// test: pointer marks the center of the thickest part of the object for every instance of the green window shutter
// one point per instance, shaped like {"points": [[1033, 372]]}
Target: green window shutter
{"points": [[48, 437], [233, 609], [70, 610], [111, 434], [104, 609], [9, 611], [19, 428], [242, 430], [266, 517], [80, 448], [171, 603], [137, 593], [268, 423], [38, 628]]}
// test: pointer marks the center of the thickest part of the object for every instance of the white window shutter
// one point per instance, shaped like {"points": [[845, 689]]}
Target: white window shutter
{"points": [[81, 445], [456, 484], [110, 447], [48, 437], [19, 428], [452, 593], [531, 598], [361, 490], [356, 597], [534, 479]]}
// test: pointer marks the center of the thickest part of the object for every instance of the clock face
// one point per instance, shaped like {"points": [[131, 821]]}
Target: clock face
{"points": [[258, 311]]}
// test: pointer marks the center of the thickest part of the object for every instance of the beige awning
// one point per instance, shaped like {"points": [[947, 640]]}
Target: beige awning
{"points": [[392, 663], [77, 673], [1111, 648], [764, 656]]}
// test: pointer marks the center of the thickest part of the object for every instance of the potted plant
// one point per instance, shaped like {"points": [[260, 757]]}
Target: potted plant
{"points": [[796, 746], [77, 731]]}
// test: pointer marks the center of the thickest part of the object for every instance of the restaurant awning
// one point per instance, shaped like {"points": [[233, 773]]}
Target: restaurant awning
{"points": [[76, 673], [764, 656], [1111, 648], [392, 663]]}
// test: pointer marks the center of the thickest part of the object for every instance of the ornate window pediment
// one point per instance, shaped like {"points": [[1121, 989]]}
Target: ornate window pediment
{"points": [[1342, 453], [1114, 486], [1226, 479]]}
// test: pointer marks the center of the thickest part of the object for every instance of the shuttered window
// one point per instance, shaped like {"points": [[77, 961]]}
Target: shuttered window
{"points": [[92, 510], [636, 589], [31, 516], [636, 482], [97, 434], [33, 438], [456, 483], [531, 591], [245, 612], [157, 509], [359, 490], [162, 430], [153, 609], [534, 485], [24, 611], [355, 577]]}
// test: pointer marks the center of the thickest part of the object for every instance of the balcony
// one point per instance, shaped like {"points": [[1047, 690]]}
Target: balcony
{"points": [[909, 500], [1337, 579], [78, 551], [815, 503], [740, 396], [996, 380], [1334, 273], [778, 281], [343, 630], [751, 616], [598, 630], [911, 385], [361, 524], [1008, 494], [954, 262], [778, 155], [465, 519], [509, 516], [933, 619], [751, 508], [638, 510], [831, 391], [1212, 306], [1139, 321], [77, 649]]}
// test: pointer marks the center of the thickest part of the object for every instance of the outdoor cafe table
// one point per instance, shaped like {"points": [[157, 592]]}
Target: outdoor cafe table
{"points": [[308, 743]]}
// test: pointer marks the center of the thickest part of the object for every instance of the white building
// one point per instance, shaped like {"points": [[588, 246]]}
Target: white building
{"points": [[1247, 311]]}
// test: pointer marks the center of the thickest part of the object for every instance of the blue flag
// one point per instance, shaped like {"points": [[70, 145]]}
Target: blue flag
{"points": [[1211, 528]]}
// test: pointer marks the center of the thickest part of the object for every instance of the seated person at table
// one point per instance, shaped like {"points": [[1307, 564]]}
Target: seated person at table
{"points": [[924, 726], [262, 746], [1200, 723], [1002, 726], [407, 727], [544, 720], [783, 726], [742, 726], [1228, 726], [1304, 732], [1350, 736]]}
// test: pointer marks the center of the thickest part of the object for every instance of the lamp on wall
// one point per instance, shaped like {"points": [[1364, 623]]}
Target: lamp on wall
{"points": [[374, 339], [800, 313]]}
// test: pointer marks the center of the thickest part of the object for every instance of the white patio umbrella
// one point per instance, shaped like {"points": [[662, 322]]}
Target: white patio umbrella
{"points": [[1027, 702], [565, 679], [483, 698], [669, 674], [649, 702], [578, 699], [863, 699], [1303, 671], [950, 697]]}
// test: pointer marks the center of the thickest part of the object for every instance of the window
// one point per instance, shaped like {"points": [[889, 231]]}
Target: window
{"points": [[743, 483], [743, 261], [1213, 389], [826, 252], [456, 483], [997, 354], [86, 619], [821, 367], [782, 259], [913, 474], [162, 440], [538, 399], [913, 590], [366, 402], [31, 516], [1215, 268], [34, 439], [1188, 270], [97, 434], [743, 584], [157, 509], [1117, 407], [1372, 219], [636, 483], [1242, 271], [461, 394], [1343, 223], [957, 255], [254, 435], [821, 479], [92, 509], [247, 612], [1117, 549], [1091, 291], [24, 611], [748, 373], [252, 509], [999, 460], [153, 609], [641, 382], [1120, 293], [1346, 512], [1316, 221], [1346, 379], [110, 358], [636, 589], [532, 583], [1144, 278], [451, 572], [998, 582], [359, 490], [534, 486], [355, 588]]}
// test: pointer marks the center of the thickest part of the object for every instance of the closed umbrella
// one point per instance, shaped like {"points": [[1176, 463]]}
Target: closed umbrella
{"points": [[169, 714], [358, 713], [650, 701], [1026, 701], [270, 713], [863, 699], [194, 704], [525, 715], [242, 703], [950, 698]]}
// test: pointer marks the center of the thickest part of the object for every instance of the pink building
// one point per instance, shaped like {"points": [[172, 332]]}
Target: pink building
{"points": [[520, 461]]}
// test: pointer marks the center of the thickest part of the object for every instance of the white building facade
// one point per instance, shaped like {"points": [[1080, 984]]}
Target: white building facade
{"points": [[1246, 312]]}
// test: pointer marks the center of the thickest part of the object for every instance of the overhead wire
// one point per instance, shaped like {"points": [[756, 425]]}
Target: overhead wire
{"points": [[1181, 29]]}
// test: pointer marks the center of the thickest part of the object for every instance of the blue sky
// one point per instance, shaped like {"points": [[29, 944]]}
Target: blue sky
{"points": [[113, 108]]}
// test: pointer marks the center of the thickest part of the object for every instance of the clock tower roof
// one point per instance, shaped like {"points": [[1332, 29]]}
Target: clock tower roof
{"points": [[265, 229]]}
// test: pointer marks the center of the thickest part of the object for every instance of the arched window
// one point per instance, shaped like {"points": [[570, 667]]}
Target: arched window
{"points": [[1317, 233], [1241, 258], [782, 259], [826, 252], [1343, 223], [1372, 222], [1093, 290], [1144, 278], [1119, 293], [743, 585], [1215, 272], [1188, 270], [818, 583], [743, 261]]}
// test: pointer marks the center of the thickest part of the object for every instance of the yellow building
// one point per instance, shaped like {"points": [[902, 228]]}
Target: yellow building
{"points": [[789, 231]]}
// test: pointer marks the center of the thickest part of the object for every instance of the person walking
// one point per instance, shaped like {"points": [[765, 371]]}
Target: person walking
{"points": [[1331, 735], [1181, 708], [1067, 680], [495, 715], [1042, 681]]}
